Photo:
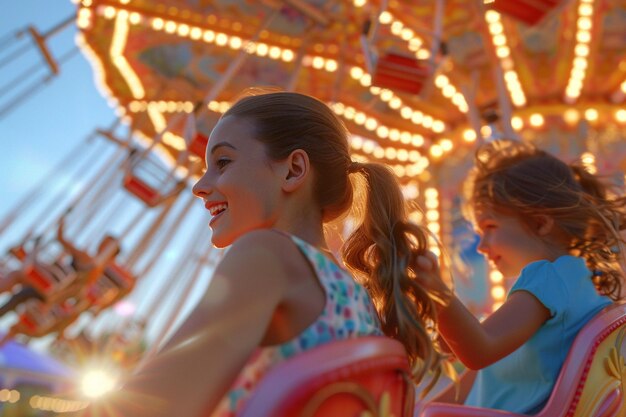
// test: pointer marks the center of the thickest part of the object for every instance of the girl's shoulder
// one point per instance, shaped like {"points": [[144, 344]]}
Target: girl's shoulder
{"points": [[263, 252]]}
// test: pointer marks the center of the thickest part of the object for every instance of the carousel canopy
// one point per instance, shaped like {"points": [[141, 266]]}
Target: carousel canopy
{"points": [[414, 81]]}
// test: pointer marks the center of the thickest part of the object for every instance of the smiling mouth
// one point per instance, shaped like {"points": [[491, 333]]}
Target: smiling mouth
{"points": [[218, 209]]}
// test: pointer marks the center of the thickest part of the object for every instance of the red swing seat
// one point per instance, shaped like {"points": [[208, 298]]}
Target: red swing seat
{"points": [[198, 145], [364, 376], [400, 73], [139, 188], [33, 322], [530, 12], [45, 279]]}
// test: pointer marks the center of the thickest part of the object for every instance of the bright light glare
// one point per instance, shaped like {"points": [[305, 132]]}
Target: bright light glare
{"points": [[96, 383]]}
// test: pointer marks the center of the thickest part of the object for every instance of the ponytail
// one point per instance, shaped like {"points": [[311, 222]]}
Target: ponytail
{"points": [[381, 251]]}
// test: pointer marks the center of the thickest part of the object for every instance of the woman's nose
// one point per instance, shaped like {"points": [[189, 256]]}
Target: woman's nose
{"points": [[201, 188]]}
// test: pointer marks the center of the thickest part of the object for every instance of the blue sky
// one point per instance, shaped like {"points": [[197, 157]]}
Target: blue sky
{"points": [[39, 131]]}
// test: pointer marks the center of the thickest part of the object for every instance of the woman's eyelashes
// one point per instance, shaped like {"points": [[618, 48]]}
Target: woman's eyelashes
{"points": [[221, 162]]}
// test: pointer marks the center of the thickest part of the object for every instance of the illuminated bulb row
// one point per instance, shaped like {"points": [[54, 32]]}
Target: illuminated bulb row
{"points": [[394, 102], [497, 288], [98, 67], [504, 54], [581, 61], [401, 171], [83, 18], [449, 91], [373, 125], [570, 116], [415, 43], [138, 106], [223, 40], [443, 146], [431, 201], [209, 36], [371, 147], [401, 31], [9, 396], [406, 34], [116, 52], [56, 405]]}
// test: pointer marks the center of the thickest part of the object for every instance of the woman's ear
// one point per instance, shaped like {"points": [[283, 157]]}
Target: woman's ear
{"points": [[544, 224], [298, 168]]}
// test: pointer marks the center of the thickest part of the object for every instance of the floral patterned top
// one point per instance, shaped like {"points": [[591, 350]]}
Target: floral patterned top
{"points": [[349, 312]]}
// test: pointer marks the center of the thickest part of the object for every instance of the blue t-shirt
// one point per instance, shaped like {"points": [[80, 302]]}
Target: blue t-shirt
{"points": [[522, 381]]}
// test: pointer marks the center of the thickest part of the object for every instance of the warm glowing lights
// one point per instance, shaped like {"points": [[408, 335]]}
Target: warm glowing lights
{"points": [[116, 52], [498, 293], [496, 277], [571, 116], [450, 91], [56, 405], [431, 201], [536, 120], [591, 115], [83, 18], [589, 162], [9, 396], [398, 29], [517, 123], [620, 116], [584, 26], [503, 52], [396, 103], [469, 135]]}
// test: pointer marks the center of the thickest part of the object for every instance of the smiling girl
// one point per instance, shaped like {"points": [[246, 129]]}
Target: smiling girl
{"points": [[277, 169], [555, 229]]}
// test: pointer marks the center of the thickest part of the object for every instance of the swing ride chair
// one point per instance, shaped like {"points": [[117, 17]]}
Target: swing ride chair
{"points": [[591, 382], [366, 376], [151, 181]]}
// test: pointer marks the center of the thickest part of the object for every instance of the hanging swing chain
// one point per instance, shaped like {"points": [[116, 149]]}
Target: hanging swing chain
{"points": [[43, 185], [32, 88], [166, 237]]}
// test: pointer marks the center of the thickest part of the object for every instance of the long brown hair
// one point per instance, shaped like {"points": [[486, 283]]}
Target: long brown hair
{"points": [[382, 248], [518, 178]]}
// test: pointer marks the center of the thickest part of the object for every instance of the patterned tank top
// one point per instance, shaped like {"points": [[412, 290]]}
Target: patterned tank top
{"points": [[348, 313]]}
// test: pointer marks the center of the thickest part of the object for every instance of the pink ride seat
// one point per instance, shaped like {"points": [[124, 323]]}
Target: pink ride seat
{"points": [[366, 376], [591, 383]]}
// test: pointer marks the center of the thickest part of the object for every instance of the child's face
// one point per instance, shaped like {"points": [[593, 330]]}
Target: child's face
{"points": [[241, 187], [508, 243]]}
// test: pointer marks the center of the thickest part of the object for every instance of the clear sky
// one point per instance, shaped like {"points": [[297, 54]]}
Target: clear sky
{"points": [[39, 132]]}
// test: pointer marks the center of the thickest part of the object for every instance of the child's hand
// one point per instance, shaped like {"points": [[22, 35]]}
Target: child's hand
{"points": [[429, 274]]}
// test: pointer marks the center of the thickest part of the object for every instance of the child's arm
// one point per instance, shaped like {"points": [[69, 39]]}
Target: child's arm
{"points": [[193, 371], [479, 344], [73, 251]]}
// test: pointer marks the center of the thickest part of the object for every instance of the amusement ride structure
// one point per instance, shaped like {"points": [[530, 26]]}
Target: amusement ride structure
{"points": [[418, 84]]}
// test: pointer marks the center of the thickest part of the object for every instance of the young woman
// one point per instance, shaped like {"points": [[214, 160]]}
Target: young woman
{"points": [[278, 169]]}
